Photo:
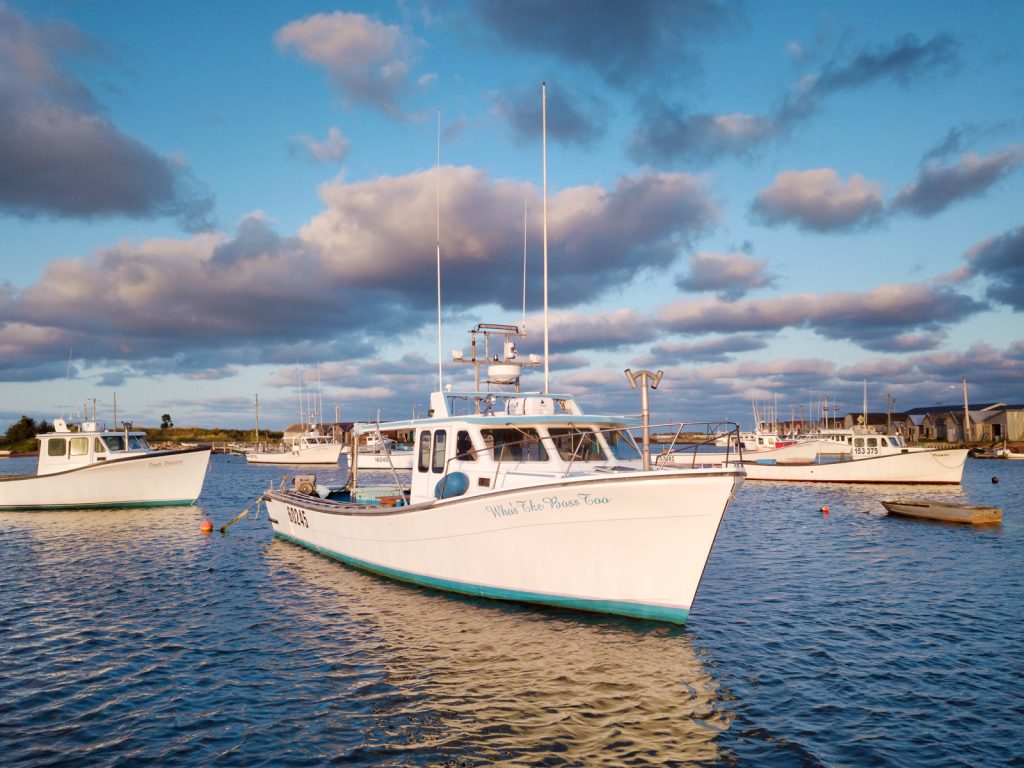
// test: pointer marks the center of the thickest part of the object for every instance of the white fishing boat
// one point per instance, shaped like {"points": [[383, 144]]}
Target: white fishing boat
{"points": [[96, 467], [870, 459], [311, 447], [524, 497], [379, 452]]}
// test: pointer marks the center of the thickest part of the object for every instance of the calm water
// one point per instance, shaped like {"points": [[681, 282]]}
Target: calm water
{"points": [[847, 639]]}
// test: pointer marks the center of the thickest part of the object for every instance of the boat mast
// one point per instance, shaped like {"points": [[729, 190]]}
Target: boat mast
{"points": [[526, 204], [440, 383], [967, 417], [544, 137], [865, 403]]}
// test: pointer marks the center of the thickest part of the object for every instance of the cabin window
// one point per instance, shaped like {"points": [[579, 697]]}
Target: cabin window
{"points": [[622, 445], [440, 446], [137, 443], [515, 444], [98, 446], [577, 444], [423, 464], [464, 450], [858, 442], [79, 446], [114, 442], [58, 446], [872, 442]]}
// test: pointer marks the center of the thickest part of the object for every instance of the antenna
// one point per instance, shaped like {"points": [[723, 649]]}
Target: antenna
{"points": [[526, 204], [319, 396], [440, 382], [544, 137], [67, 380]]}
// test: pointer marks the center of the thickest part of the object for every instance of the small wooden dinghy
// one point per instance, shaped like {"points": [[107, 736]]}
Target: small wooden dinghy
{"points": [[944, 511]]}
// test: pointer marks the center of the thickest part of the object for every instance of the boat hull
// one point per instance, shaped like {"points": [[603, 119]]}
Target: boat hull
{"points": [[633, 546], [944, 512], [314, 454], [156, 479], [804, 450], [914, 467], [401, 460]]}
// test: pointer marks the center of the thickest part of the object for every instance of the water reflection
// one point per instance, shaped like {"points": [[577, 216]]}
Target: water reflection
{"points": [[493, 683]]}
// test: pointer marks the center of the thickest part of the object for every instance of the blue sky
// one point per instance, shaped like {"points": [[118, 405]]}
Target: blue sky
{"points": [[202, 202]]}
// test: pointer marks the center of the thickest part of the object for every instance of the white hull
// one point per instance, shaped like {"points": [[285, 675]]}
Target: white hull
{"points": [[633, 545], [327, 453], [805, 450], [400, 460], [154, 479], [938, 466]]}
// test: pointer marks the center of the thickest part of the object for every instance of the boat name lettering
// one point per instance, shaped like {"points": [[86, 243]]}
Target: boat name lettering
{"points": [[524, 506], [297, 516], [165, 463]]}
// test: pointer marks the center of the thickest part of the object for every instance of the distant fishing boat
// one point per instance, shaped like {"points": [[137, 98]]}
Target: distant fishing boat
{"points": [[96, 467], [379, 452], [946, 512], [311, 447], [870, 459]]}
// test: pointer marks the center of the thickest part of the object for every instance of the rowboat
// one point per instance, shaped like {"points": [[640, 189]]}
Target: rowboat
{"points": [[90, 466], [944, 511]]}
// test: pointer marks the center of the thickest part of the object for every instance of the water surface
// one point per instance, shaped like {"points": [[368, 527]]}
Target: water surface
{"points": [[851, 638]]}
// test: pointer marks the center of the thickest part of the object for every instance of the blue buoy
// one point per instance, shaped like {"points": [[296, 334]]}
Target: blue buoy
{"points": [[452, 484]]}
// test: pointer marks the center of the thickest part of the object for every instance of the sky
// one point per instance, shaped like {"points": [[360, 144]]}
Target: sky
{"points": [[774, 203]]}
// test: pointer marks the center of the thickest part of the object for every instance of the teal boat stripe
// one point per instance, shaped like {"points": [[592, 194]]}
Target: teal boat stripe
{"points": [[110, 505], [671, 614]]}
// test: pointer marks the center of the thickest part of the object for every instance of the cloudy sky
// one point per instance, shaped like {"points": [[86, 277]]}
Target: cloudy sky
{"points": [[771, 202]]}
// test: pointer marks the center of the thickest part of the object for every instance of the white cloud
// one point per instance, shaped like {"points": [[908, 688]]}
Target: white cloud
{"points": [[365, 60], [333, 149], [819, 201]]}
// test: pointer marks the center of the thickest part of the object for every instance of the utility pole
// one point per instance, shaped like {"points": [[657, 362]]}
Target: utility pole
{"points": [[653, 379], [967, 417]]}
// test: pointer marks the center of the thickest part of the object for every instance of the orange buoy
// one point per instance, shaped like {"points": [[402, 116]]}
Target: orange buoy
{"points": [[206, 526], [824, 510]]}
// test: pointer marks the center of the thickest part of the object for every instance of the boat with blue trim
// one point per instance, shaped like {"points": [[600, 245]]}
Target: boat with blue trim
{"points": [[88, 466], [523, 496]]}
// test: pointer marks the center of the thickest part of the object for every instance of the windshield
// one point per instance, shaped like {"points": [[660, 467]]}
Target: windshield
{"points": [[514, 444], [114, 442], [577, 444], [622, 444]]}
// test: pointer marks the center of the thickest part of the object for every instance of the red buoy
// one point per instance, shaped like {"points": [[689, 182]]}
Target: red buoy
{"points": [[824, 510], [206, 526]]}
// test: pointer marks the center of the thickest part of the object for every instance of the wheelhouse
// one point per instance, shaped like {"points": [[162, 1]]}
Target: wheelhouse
{"points": [[64, 449]]}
